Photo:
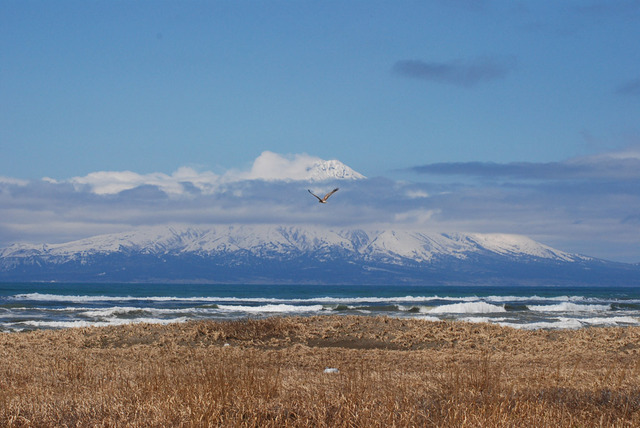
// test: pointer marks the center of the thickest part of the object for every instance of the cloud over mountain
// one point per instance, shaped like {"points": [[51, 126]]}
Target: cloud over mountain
{"points": [[587, 205], [268, 166], [112, 182], [273, 190], [273, 166]]}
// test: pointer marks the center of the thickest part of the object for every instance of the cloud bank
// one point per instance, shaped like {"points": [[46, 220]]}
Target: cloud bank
{"points": [[624, 165], [588, 205], [466, 73], [112, 182]]}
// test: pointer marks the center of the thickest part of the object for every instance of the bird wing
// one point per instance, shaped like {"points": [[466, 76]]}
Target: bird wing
{"points": [[314, 195], [329, 194]]}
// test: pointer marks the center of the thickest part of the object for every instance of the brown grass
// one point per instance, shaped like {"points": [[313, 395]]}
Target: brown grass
{"points": [[391, 373]]}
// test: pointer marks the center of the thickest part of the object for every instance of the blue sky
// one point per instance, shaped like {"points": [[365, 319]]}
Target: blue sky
{"points": [[518, 117]]}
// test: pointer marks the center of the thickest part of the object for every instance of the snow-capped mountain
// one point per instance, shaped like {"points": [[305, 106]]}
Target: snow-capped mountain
{"points": [[275, 254], [394, 245], [331, 169], [271, 166]]}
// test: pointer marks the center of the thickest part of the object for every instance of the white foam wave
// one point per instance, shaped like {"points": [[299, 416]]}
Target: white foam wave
{"points": [[560, 324], [323, 300], [569, 307], [281, 308], [112, 322], [610, 321], [9, 328], [109, 312], [466, 308], [318, 300], [124, 311], [563, 323], [480, 320], [541, 299], [427, 318], [63, 311]]}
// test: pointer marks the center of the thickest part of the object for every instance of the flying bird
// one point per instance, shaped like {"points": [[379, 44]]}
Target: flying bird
{"points": [[324, 200]]}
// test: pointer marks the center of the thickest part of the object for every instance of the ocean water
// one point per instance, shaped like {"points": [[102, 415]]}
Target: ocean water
{"points": [[29, 306]]}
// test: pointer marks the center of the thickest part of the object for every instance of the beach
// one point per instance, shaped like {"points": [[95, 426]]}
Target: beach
{"points": [[320, 371]]}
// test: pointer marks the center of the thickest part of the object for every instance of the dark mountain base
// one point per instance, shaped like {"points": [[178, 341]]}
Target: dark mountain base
{"points": [[245, 268]]}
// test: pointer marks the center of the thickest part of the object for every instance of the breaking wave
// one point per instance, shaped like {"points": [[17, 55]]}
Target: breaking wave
{"points": [[467, 308], [569, 307], [67, 306]]}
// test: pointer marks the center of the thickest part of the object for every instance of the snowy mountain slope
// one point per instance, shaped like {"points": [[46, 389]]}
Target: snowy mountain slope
{"points": [[393, 244], [331, 169], [259, 253]]}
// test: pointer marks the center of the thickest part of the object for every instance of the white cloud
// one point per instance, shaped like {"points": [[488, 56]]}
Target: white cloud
{"points": [[416, 217], [417, 194], [272, 166], [630, 153], [14, 181], [111, 182], [268, 166]]}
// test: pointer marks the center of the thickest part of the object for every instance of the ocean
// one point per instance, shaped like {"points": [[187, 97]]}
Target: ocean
{"points": [[30, 306]]}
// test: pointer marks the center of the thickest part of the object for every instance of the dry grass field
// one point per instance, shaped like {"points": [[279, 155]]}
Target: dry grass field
{"points": [[263, 373]]}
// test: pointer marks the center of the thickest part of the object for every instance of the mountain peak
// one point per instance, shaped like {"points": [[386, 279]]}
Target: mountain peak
{"points": [[331, 169], [274, 166]]}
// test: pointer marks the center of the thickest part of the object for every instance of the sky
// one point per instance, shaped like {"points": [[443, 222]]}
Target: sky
{"points": [[477, 116]]}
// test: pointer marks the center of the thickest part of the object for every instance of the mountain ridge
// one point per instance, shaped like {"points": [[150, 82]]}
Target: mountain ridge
{"points": [[404, 242], [262, 253]]}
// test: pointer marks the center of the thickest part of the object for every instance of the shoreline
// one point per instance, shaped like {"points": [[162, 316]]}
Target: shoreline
{"points": [[43, 307], [271, 371]]}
